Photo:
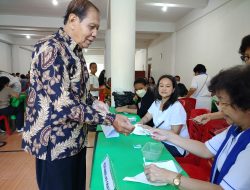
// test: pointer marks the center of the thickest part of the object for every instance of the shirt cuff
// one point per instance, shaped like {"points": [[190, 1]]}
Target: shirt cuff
{"points": [[110, 118]]}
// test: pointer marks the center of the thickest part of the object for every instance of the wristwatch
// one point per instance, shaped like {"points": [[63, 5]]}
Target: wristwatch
{"points": [[177, 180]]}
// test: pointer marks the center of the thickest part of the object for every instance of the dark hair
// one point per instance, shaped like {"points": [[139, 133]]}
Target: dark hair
{"points": [[235, 81], [79, 8], [90, 65], [141, 81], [101, 78], [173, 97], [177, 76], [3, 81], [199, 68], [152, 78], [245, 43], [22, 76]]}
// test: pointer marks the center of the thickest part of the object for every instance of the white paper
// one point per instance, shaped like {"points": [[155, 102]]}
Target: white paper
{"points": [[141, 177], [108, 182], [109, 131], [139, 130]]}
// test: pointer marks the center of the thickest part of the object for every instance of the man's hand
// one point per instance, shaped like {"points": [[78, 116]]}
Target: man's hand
{"points": [[123, 125], [101, 107]]}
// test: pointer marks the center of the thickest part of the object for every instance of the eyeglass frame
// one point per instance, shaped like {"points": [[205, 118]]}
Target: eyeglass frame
{"points": [[245, 58]]}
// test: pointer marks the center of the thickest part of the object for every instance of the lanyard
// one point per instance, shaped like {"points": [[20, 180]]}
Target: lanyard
{"points": [[244, 139]]}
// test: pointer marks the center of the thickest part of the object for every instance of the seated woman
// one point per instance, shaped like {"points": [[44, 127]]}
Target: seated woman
{"points": [[144, 98], [230, 149], [5, 108], [168, 113]]}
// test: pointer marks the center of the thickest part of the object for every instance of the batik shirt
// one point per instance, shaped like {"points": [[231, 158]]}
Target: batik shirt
{"points": [[55, 113]]}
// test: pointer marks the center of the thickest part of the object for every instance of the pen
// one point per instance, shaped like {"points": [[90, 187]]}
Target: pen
{"points": [[159, 124]]}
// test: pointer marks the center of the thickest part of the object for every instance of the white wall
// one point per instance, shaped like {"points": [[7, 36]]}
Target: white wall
{"points": [[5, 57], [160, 52], [140, 60], [21, 59], [212, 39]]}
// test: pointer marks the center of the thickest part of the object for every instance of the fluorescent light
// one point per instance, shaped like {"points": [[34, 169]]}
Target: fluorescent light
{"points": [[163, 4], [28, 36], [164, 8], [55, 2], [86, 50]]}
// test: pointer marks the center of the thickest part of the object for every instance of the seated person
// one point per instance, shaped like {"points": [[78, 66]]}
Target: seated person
{"points": [[168, 113], [244, 51], [151, 83], [144, 98], [14, 81], [181, 87], [5, 108], [230, 148]]}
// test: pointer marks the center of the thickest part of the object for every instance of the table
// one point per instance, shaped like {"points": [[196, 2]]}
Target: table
{"points": [[125, 161]]}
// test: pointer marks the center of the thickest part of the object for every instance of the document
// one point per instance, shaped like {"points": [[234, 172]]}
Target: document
{"points": [[141, 177], [108, 181], [139, 130], [109, 131]]}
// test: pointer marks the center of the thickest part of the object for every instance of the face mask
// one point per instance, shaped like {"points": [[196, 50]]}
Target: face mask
{"points": [[141, 92]]}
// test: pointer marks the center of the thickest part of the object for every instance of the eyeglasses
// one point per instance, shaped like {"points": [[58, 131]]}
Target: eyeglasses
{"points": [[219, 103], [244, 58]]}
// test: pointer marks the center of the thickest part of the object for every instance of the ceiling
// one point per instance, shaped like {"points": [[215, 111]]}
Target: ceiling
{"points": [[145, 12]]}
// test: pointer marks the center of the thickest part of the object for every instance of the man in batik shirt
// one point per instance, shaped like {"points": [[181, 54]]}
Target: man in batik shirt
{"points": [[54, 131]]}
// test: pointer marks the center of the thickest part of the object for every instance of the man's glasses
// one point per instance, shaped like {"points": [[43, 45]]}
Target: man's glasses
{"points": [[244, 58]]}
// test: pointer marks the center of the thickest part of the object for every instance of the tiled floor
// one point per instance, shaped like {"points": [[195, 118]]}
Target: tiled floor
{"points": [[17, 168]]}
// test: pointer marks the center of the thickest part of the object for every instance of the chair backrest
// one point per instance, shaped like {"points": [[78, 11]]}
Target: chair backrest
{"points": [[213, 127], [188, 104], [196, 131]]}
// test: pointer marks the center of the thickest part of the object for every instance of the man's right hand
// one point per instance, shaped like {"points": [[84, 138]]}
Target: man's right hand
{"points": [[123, 125]]}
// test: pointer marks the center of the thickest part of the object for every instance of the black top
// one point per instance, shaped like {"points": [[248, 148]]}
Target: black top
{"points": [[146, 102], [182, 90]]}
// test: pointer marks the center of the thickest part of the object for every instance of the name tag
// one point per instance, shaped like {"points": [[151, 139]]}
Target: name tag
{"points": [[108, 181]]}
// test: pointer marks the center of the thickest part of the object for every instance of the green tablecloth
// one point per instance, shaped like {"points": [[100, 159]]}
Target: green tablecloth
{"points": [[125, 160]]}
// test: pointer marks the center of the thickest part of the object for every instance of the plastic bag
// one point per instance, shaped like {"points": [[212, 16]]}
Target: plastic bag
{"points": [[123, 98]]}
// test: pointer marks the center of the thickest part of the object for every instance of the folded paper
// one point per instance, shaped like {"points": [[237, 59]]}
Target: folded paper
{"points": [[141, 177], [109, 131]]}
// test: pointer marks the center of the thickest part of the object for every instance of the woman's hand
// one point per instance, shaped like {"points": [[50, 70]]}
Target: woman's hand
{"points": [[121, 109], [202, 119], [146, 127], [157, 175], [160, 134]]}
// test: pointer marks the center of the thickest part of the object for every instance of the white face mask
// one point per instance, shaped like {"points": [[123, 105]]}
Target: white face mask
{"points": [[141, 92]]}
